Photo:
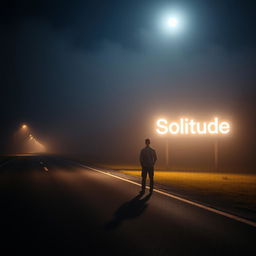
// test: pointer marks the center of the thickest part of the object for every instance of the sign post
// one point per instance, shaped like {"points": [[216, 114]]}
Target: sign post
{"points": [[190, 127], [216, 155], [167, 154]]}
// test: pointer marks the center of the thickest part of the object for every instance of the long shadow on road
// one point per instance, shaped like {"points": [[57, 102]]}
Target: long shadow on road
{"points": [[129, 210]]}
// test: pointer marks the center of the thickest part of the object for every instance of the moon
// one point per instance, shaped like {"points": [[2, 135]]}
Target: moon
{"points": [[172, 22]]}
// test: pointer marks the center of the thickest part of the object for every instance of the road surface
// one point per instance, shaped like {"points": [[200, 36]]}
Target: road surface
{"points": [[50, 206]]}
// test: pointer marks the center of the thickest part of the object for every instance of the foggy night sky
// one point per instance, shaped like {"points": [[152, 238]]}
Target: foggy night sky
{"points": [[93, 76]]}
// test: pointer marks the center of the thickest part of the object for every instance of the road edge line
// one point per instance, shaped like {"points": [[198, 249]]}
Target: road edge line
{"points": [[225, 214]]}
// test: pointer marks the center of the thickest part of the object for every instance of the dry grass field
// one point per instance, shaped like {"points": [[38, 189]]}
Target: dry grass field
{"points": [[238, 187]]}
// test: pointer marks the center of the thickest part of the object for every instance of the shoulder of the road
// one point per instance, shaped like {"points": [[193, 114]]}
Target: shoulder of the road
{"points": [[197, 204]]}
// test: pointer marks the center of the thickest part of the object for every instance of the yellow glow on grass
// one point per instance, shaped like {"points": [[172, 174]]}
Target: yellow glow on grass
{"points": [[234, 187]]}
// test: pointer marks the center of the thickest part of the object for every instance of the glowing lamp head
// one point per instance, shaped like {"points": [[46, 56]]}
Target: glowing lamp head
{"points": [[24, 126]]}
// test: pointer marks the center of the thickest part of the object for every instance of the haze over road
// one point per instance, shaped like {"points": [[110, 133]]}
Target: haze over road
{"points": [[52, 206]]}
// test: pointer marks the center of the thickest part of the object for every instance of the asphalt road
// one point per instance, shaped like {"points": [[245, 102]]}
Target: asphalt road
{"points": [[50, 206]]}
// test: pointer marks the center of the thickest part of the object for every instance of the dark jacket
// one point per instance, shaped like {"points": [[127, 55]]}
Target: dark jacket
{"points": [[148, 157]]}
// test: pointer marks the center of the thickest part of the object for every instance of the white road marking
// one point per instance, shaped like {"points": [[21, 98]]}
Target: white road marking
{"points": [[228, 215]]}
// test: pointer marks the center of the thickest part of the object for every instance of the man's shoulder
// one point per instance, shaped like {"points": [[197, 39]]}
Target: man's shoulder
{"points": [[153, 151], [143, 149], [147, 149]]}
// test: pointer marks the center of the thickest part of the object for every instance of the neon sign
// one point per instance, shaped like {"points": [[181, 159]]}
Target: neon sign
{"points": [[187, 126]]}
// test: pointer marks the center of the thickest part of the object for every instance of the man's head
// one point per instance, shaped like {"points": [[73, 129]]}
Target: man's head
{"points": [[147, 142]]}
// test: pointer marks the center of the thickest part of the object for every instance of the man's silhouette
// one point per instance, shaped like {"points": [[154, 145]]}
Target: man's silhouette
{"points": [[147, 161]]}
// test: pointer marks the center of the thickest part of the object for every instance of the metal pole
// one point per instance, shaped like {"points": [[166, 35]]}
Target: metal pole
{"points": [[167, 153], [216, 155]]}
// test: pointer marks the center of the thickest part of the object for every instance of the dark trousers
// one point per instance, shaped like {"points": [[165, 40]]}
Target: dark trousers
{"points": [[150, 172]]}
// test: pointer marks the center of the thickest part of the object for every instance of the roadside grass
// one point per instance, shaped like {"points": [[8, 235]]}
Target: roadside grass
{"points": [[237, 189], [233, 190]]}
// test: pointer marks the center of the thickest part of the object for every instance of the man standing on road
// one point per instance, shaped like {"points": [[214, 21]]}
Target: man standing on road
{"points": [[147, 161]]}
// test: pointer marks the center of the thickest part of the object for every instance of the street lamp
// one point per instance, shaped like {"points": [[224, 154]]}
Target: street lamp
{"points": [[24, 126]]}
